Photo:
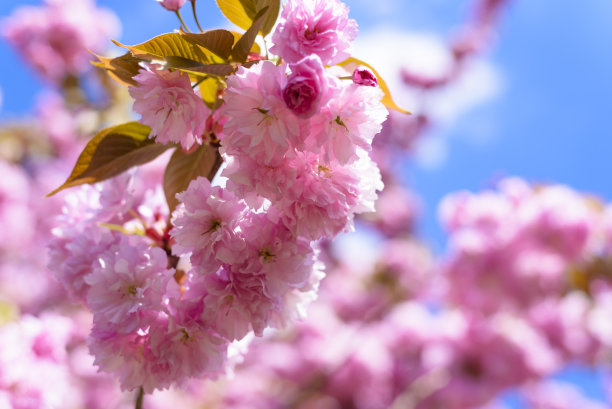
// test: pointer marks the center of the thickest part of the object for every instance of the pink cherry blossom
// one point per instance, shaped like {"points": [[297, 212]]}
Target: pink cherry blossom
{"points": [[129, 358], [259, 124], [169, 106], [320, 27], [307, 87], [319, 203], [33, 362], [205, 225], [189, 351], [283, 260], [72, 255], [130, 279], [236, 303], [349, 120], [556, 218]]}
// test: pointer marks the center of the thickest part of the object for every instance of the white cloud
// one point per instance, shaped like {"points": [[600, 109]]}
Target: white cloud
{"points": [[388, 50]]}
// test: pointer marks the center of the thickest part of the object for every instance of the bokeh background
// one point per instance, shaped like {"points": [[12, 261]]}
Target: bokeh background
{"points": [[535, 103]]}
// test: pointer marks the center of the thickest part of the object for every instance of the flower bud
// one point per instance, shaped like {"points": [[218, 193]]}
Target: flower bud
{"points": [[364, 76], [172, 5]]}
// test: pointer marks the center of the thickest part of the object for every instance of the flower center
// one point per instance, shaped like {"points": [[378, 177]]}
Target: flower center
{"points": [[267, 255]]}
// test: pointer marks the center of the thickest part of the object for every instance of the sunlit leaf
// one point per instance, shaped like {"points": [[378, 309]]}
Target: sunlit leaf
{"points": [[184, 167], [122, 69], [351, 63], [241, 50], [113, 151], [243, 13], [208, 90], [219, 42], [168, 45]]}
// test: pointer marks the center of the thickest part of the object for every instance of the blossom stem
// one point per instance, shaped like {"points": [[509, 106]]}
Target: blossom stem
{"points": [[265, 47], [195, 15], [139, 398], [183, 25], [198, 82]]}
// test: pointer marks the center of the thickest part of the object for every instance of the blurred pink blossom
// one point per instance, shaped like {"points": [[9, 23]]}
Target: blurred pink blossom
{"points": [[55, 38]]}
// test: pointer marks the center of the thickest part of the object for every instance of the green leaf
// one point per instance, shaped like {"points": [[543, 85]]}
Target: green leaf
{"points": [[185, 167], [351, 63], [255, 48], [243, 13], [122, 69], [113, 151], [240, 52], [219, 42], [168, 45], [180, 62], [271, 17]]}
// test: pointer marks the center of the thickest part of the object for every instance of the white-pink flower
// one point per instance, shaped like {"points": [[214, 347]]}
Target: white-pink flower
{"points": [[350, 120], [326, 195], [168, 104], [273, 252], [188, 350], [205, 225], [320, 27], [259, 124], [131, 279]]}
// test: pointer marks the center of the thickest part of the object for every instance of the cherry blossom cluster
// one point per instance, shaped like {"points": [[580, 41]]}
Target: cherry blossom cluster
{"points": [[520, 242], [169, 298], [542, 253]]}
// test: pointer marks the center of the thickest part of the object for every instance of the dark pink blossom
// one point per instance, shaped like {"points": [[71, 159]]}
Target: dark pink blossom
{"points": [[306, 88]]}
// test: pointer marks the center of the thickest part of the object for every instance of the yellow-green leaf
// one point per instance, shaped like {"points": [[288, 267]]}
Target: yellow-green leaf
{"points": [[208, 91], [219, 42], [168, 45], [113, 151], [240, 52], [244, 12], [351, 63], [122, 69], [185, 167]]}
